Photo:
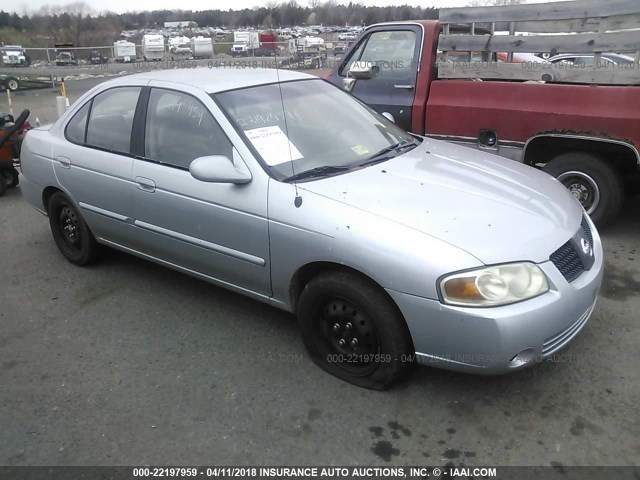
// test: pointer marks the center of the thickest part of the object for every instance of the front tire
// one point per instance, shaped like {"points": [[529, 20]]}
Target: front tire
{"points": [[594, 183], [353, 331], [70, 232]]}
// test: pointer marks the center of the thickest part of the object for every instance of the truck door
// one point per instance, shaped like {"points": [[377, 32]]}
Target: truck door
{"points": [[393, 52]]}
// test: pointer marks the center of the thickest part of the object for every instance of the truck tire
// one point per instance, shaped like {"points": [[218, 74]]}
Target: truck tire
{"points": [[595, 184], [3, 186], [353, 331]]}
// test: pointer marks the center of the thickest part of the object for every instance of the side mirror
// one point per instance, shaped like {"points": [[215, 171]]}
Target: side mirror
{"points": [[363, 70], [348, 84], [389, 117], [219, 169]]}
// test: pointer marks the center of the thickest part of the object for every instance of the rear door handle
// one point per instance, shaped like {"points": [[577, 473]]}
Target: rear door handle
{"points": [[404, 87], [146, 184], [64, 162]]}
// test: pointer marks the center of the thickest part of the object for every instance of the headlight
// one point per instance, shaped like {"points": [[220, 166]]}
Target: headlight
{"points": [[492, 286]]}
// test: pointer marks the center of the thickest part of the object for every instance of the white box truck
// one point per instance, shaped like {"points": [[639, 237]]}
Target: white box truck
{"points": [[152, 47], [202, 47], [244, 43], [124, 51]]}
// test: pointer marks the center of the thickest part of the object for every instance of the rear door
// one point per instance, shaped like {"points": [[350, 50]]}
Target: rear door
{"points": [[93, 160], [394, 51]]}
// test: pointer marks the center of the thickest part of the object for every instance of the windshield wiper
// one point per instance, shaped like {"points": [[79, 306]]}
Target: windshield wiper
{"points": [[384, 154], [317, 172]]}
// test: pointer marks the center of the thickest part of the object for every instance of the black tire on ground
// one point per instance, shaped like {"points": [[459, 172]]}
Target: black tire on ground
{"points": [[70, 232], [3, 187], [596, 184], [10, 177], [337, 307], [12, 84]]}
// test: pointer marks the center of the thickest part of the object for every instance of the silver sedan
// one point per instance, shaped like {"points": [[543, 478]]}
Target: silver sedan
{"points": [[392, 249]]}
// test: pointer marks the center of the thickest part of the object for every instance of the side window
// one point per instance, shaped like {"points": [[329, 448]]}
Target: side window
{"points": [[111, 119], [394, 47], [77, 126], [355, 56], [392, 51], [180, 128]]}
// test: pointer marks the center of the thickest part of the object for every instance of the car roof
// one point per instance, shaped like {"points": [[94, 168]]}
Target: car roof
{"points": [[214, 80]]}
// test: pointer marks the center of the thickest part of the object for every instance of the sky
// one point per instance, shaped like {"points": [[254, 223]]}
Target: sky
{"points": [[119, 6]]}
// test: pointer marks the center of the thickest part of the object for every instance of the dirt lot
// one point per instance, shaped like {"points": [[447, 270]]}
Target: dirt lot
{"points": [[126, 362]]}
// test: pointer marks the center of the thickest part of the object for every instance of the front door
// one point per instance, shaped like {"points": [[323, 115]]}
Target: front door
{"points": [[394, 52], [218, 230]]}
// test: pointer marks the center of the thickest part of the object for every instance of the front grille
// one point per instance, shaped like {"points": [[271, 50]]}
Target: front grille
{"points": [[586, 229], [567, 259]]}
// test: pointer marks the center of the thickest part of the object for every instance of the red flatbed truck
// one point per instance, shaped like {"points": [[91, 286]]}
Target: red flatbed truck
{"points": [[580, 124]]}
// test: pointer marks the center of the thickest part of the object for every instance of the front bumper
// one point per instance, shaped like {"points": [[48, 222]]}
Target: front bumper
{"points": [[502, 339]]}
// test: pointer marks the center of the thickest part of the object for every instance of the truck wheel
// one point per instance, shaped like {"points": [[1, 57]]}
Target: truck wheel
{"points": [[594, 183], [353, 331], [70, 232], [3, 188], [12, 84]]}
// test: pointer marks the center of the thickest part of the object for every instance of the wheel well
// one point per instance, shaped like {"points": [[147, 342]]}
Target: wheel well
{"points": [[306, 273], [46, 196], [541, 150]]}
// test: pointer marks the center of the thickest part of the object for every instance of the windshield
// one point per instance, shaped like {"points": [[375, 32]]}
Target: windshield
{"points": [[328, 131]]}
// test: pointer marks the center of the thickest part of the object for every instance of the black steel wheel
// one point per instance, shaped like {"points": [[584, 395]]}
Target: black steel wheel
{"points": [[70, 232], [353, 330]]}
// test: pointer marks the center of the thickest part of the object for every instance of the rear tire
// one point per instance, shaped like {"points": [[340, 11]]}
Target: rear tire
{"points": [[594, 183], [70, 232], [353, 331], [3, 187]]}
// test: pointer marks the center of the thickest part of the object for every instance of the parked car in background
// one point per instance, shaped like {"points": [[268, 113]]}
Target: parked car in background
{"points": [[340, 48], [65, 59], [65, 54], [347, 36], [389, 247], [97, 58], [606, 59]]}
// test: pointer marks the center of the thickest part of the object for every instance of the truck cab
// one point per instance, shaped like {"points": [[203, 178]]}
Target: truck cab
{"points": [[485, 89], [14, 56]]}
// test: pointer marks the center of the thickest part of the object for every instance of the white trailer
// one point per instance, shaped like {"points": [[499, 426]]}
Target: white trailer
{"points": [[244, 43], [124, 51], [202, 47], [152, 47], [306, 45]]}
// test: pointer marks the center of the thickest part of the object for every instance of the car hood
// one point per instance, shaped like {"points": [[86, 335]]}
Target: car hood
{"points": [[497, 210]]}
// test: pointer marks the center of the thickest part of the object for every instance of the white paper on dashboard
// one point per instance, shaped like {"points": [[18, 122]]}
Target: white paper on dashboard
{"points": [[273, 145]]}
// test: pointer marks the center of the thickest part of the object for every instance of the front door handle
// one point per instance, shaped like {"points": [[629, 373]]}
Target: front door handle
{"points": [[404, 87], [64, 162], [146, 184]]}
